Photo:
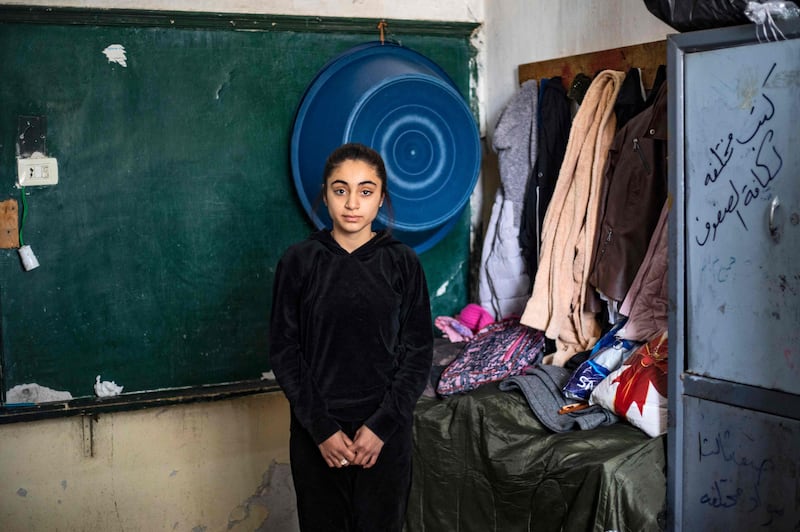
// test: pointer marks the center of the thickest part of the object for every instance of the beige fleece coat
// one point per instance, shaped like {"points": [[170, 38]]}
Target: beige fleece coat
{"points": [[559, 291]]}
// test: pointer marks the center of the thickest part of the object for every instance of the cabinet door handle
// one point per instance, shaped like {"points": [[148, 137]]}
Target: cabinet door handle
{"points": [[774, 231]]}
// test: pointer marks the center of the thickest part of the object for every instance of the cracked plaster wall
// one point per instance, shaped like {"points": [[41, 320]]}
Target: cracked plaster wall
{"points": [[212, 466]]}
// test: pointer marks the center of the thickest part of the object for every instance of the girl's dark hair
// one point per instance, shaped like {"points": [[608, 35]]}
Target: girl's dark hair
{"points": [[353, 151]]}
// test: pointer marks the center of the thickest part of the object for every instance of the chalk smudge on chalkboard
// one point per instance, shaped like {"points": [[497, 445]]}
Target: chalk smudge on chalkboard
{"points": [[223, 85], [442, 289], [34, 393], [116, 54]]}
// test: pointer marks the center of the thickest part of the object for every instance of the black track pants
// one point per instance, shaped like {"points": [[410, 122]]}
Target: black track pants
{"points": [[351, 499]]}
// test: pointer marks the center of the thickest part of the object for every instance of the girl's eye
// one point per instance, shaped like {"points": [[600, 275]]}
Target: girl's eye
{"points": [[338, 191], [366, 192]]}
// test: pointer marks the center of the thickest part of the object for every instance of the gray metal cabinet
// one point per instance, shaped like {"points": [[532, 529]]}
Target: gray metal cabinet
{"points": [[734, 429]]}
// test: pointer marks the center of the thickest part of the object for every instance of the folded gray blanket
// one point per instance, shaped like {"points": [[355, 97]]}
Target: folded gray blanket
{"points": [[542, 386]]}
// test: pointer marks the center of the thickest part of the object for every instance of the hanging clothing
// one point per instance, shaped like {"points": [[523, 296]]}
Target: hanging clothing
{"points": [[515, 141], [630, 101], [634, 189], [557, 303], [659, 79], [503, 284], [553, 120], [647, 302], [579, 87]]}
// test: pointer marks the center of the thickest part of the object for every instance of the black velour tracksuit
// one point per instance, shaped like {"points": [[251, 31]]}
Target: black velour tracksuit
{"points": [[351, 343]]}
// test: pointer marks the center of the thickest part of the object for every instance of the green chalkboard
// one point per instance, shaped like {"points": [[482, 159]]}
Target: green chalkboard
{"points": [[157, 247]]}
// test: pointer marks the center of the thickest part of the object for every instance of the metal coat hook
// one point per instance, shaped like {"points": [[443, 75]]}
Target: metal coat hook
{"points": [[382, 25]]}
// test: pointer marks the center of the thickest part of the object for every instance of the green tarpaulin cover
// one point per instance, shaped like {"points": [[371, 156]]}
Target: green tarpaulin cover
{"points": [[484, 463]]}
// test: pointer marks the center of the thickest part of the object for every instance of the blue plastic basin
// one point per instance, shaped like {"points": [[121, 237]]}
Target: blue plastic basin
{"points": [[406, 107]]}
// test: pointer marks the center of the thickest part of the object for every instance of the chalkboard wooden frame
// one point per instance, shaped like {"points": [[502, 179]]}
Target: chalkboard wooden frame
{"points": [[230, 21], [444, 266]]}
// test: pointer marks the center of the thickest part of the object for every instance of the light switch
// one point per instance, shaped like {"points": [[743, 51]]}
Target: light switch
{"points": [[37, 171]]}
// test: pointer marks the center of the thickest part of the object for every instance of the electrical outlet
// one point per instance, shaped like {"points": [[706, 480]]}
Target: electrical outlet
{"points": [[37, 171]]}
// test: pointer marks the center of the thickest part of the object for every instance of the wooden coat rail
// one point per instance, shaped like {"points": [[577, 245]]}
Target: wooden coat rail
{"points": [[647, 57]]}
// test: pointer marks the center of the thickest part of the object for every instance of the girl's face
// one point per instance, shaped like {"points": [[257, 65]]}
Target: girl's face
{"points": [[353, 194]]}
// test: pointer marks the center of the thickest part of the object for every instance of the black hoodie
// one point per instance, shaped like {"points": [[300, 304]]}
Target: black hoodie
{"points": [[351, 335]]}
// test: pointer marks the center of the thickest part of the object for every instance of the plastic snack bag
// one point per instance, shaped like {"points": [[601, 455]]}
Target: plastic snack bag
{"points": [[595, 369]]}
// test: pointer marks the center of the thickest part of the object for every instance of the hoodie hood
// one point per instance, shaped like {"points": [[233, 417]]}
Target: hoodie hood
{"points": [[381, 239]]}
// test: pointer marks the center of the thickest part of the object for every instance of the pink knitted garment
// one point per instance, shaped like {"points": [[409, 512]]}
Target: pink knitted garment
{"points": [[475, 317]]}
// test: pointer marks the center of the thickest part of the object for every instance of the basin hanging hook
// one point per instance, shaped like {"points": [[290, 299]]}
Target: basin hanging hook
{"points": [[382, 26]]}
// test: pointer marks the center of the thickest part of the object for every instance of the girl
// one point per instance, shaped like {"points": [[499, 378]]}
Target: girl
{"points": [[351, 344]]}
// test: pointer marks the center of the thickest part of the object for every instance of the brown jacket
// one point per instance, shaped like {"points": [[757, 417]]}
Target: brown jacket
{"points": [[634, 189], [646, 304]]}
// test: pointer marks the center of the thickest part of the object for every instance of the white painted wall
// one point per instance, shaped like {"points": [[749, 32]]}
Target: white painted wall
{"points": [[202, 466], [525, 31], [446, 10]]}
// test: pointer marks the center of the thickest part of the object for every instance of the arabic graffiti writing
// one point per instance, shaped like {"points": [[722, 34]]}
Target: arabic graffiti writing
{"points": [[757, 164], [721, 270], [739, 479]]}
